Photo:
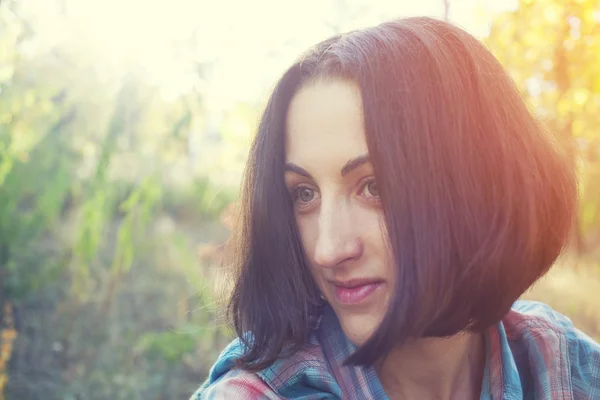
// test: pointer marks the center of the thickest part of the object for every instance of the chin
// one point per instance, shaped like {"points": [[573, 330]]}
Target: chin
{"points": [[358, 329]]}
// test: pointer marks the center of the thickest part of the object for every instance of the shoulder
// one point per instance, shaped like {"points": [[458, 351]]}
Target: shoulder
{"points": [[301, 375], [236, 384], [551, 334], [536, 318]]}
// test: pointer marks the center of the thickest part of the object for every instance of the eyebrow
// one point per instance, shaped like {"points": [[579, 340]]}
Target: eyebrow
{"points": [[355, 163], [346, 169]]}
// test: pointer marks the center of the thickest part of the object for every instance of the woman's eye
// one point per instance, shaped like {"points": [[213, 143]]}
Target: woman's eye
{"points": [[372, 189], [305, 194], [369, 190]]}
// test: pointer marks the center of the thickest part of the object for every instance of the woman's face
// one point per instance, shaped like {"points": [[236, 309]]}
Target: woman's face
{"points": [[337, 206]]}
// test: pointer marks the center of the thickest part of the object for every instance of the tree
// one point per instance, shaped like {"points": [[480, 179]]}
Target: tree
{"points": [[552, 48]]}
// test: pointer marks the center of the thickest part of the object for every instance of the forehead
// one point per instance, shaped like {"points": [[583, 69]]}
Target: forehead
{"points": [[325, 121]]}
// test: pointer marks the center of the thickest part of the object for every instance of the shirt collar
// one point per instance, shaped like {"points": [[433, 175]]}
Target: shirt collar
{"points": [[501, 381], [356, 382]]}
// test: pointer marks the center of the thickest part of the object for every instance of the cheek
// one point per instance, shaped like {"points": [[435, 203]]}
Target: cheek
{"points": [[308, 231], [373, 232]]}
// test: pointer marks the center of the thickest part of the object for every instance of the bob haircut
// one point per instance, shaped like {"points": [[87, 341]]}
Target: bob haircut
{"points": [[478, 199]]}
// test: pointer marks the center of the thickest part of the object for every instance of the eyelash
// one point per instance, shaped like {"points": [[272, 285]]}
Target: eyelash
{"points": [[362, 188]]}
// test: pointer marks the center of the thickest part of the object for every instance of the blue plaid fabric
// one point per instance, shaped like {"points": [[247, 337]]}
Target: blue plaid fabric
{"points": [[533, 353]]}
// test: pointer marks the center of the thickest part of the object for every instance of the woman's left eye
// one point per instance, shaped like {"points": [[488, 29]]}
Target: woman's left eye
{"points": [[369, 189], [372, 189]]}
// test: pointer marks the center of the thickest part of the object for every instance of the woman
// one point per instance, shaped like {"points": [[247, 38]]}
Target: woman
{"points": [[399, 197]]}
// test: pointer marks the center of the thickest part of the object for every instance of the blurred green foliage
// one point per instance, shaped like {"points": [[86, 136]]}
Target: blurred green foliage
{"points": [[110, 298]]}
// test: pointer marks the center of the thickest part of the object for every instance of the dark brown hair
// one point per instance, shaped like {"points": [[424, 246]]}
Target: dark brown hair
{"points": [[478, 199]]}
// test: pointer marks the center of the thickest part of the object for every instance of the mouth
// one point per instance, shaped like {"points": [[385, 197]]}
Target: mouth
{"points": [[355, 291]]}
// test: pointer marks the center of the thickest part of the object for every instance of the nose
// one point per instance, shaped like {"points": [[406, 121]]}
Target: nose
{"points": [[338, 239]]}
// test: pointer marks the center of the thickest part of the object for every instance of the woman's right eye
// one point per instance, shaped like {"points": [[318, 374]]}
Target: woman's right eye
{"points": [[304, 198], [304, 194]]}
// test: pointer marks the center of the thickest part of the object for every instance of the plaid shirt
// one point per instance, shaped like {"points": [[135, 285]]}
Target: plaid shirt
{"points": [[533, 353]]}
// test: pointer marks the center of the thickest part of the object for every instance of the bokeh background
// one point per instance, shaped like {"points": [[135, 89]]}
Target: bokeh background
{"points": [[124, 126]]}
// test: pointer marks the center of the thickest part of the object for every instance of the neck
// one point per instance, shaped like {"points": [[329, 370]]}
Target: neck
{"points": [[435, 368]]}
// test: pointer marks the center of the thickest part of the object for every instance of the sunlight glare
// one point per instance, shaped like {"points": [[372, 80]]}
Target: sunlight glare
{"points": [[238, 47]]}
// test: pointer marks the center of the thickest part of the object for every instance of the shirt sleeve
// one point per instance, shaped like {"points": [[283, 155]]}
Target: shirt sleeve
{"points": [[237, 385], [584, 354], [584, 359]]}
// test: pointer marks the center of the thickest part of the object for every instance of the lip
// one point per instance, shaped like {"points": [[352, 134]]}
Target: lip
{"points": [[355, 291], [352, 283]]}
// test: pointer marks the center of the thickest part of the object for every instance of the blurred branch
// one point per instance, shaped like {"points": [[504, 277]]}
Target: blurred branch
{"points": [[446, 10], [564, 85]]}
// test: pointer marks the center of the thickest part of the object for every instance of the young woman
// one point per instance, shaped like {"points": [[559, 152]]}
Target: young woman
{"points": [[399, 197]]}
